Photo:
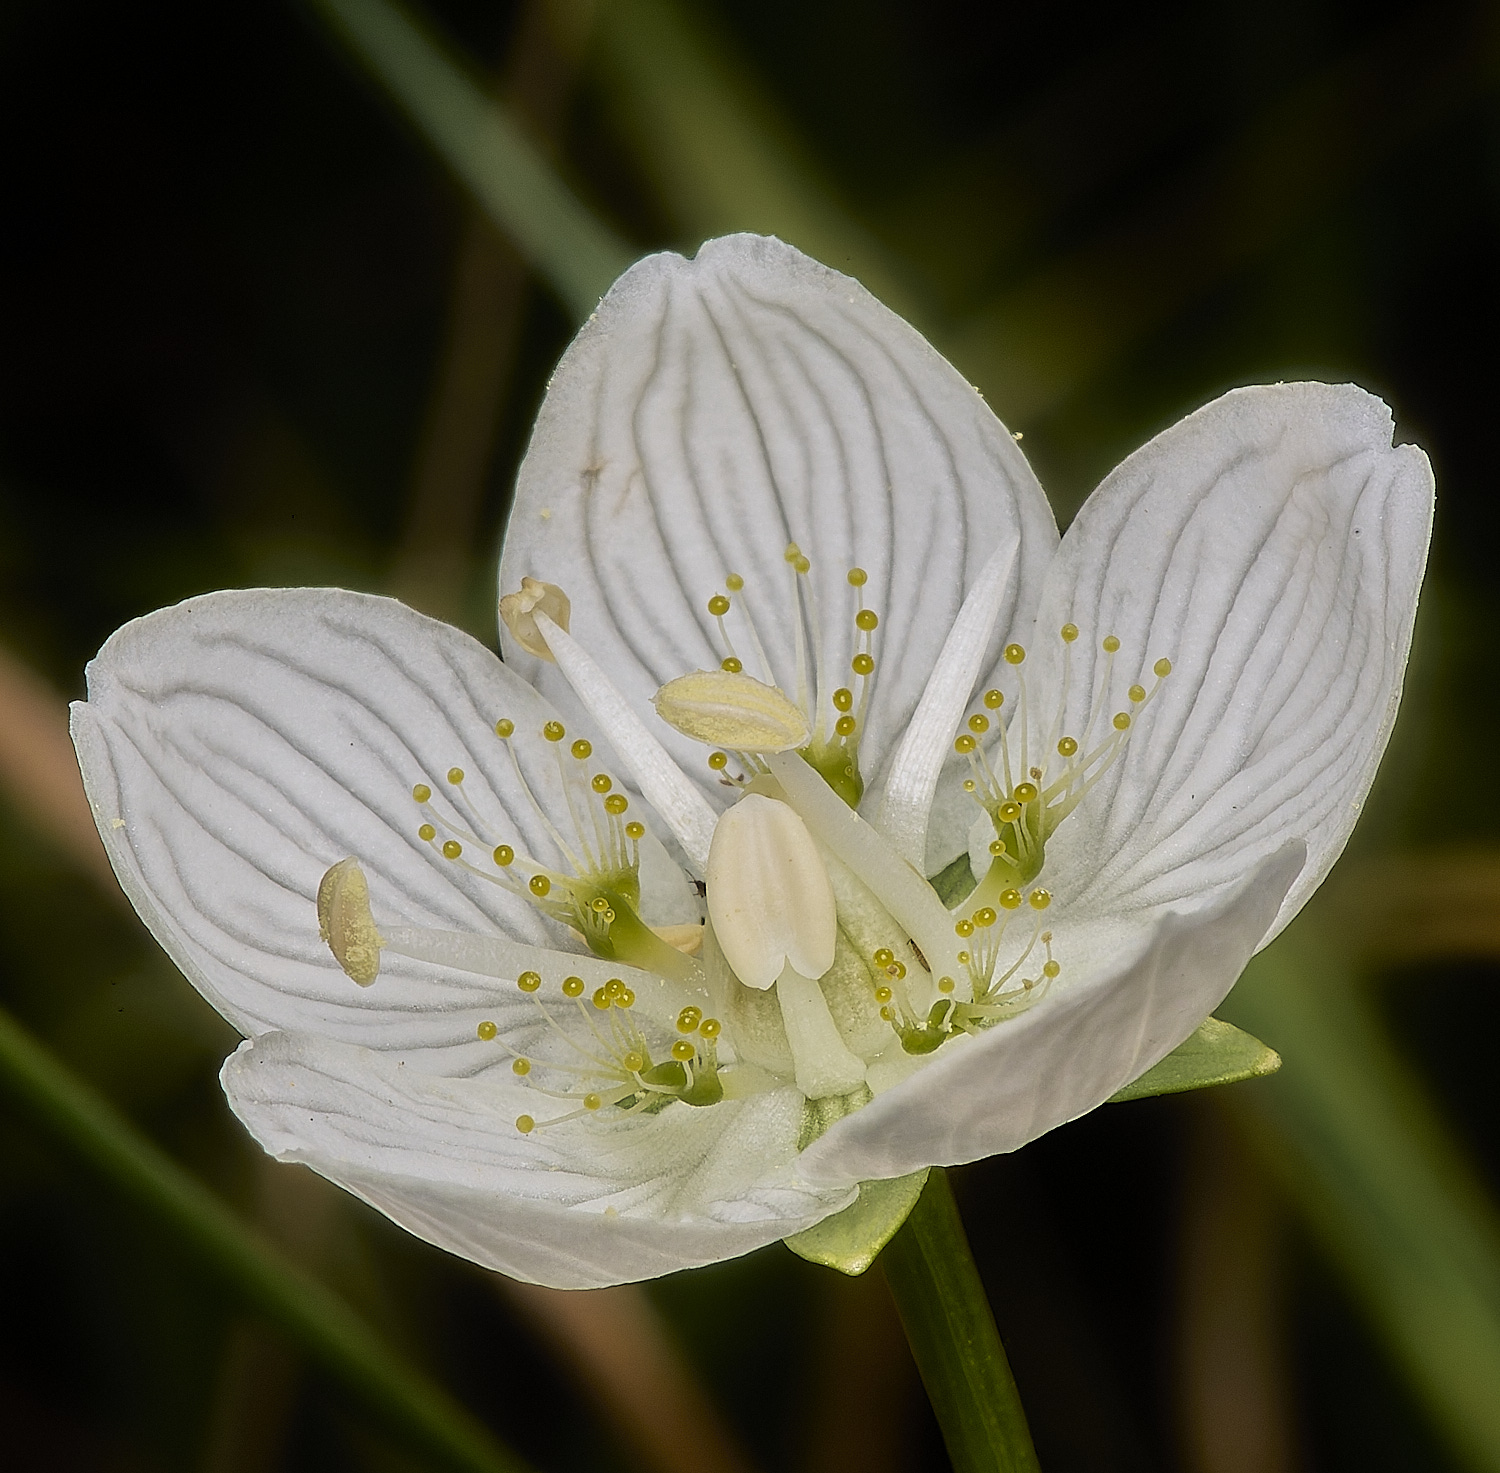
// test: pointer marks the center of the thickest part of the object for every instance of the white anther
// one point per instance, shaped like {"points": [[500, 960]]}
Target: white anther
{"points": [[768, 894], [728, 709], [518, 612]]}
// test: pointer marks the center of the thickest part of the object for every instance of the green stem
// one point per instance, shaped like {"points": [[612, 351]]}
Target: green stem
{"points": [[953, 1337], [317, 1319]]}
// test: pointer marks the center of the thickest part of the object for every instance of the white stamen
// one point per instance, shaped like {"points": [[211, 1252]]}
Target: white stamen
{"points": [[663, 784], [919, 759], [824, 1064], [768, 893]]}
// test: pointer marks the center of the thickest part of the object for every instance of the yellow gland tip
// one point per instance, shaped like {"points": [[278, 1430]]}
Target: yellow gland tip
{"points": [[572, 987], [985, 916], [994, 699], [1067, 747], [487, 1031], [427, 833], [601, 782], [529, 981], [862, 664], [504, 855], [846, 726], [1121, 721], [682, 1050], [452, 849], [997, 847], [964, 928], [1069, 633], [883, 994], [1137, 694], [634, 830], [455, 775], [688, 1019], [710, 1028], [884, 957], [1050, 969], [634, 1061], [525, 1124], [592, 1101], [718, 761], [539, 885], [733, 666], [1009, 812], [866, 619], [1010, 899], [858, 577], [733, 582], [582, 750], [1014, 654], [616, 804], [718, 606], [964, 744], [1162, 669], [1041, 899], [505, 727], [979, 724], [945, 984], [521, 1067], [843, 699], [421, 792], [1110, 644], [601, 1000], [1025, 793], [554, 731]]}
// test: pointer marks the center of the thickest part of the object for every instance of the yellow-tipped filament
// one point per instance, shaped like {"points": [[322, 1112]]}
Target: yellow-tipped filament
{"points": [[1031, 778]]}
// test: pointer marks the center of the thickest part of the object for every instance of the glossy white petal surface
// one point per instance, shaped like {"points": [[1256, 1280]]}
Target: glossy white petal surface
{"points": [[1271, 545], [237, 745], [576, 1205], [1131, 991], [714, 410]]}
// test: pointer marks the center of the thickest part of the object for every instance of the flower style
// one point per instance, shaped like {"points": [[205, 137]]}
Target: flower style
{"points": [[829, 817]]}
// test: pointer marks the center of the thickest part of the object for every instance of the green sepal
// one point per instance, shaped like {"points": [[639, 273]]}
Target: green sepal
{"points": [[1217, 1053], [851, 1240]]}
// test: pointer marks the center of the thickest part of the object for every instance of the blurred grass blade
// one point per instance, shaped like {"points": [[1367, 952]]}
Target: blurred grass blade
{"points": [[574, 251], [717, 151], [317, 1319], [1362, 1150]]}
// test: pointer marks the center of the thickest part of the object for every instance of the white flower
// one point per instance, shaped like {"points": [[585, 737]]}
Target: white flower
{"points": [[775, 559]]}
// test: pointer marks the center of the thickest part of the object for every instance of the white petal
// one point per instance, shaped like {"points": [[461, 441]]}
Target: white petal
{"points": [[1131, 991], [1272, 546], [577, 1205], [714, 410], [236, 746]]}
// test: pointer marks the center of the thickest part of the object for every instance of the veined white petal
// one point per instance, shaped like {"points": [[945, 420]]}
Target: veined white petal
{"points": [[714, 410], [1132, 989], [918, 762], [1270, 545], [577, 1205], [237, 745], [661, 781]]}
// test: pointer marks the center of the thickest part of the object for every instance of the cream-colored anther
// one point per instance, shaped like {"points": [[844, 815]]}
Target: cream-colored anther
{"points": [[768, 893], [517, 612], [345, 922], [726, 709]]}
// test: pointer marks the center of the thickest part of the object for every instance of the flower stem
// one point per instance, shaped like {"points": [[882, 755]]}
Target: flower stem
{"points": [[953, 1338], [427, 1418]]}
